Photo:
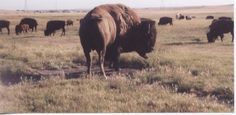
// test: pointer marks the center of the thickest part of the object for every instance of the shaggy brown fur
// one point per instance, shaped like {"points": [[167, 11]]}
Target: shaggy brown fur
{"points": [[102, 26]]}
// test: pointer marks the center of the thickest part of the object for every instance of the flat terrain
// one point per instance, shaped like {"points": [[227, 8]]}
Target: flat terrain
{"points": [[183, 74]]}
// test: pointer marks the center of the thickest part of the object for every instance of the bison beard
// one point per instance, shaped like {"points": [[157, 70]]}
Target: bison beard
{"points": [[113, 28]]}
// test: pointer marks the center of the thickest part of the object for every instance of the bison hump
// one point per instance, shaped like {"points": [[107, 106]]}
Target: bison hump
{"points": [[124, 17]]}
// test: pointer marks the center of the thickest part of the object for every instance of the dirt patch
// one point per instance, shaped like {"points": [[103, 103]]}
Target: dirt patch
{"points": [[71, 73]]}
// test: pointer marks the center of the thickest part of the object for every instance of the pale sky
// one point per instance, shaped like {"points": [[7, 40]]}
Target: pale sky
{"points": [[88, 4]]}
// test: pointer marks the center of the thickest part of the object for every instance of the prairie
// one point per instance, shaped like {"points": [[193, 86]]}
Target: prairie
{"points": [[183, 74]]}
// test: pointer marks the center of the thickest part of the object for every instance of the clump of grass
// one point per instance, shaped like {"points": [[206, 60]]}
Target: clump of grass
{"points": [[94, 95]]}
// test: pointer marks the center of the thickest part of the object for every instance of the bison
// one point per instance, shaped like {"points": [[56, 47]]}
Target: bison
{"points": [[21, 28], [188, 17], [69, 22], [179, 16], [31, 22], [210, 17], [115, 27], [224, 18], [54, 25], [5, 24], [218, 28], [165, 20]]}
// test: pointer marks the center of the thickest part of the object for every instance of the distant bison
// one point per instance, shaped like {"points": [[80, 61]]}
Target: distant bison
{"points": [[165, 20], [31, 22], [54, 25], [218, 28], [5, 24], [210, 17], [179, 16], [225, 18], [21, 28], [69, 22], [188, 17], [116, 28]]}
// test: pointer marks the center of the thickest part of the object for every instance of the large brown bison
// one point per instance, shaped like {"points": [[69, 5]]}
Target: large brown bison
{"points": [[115, 28], [4, 24], [218, 28]]}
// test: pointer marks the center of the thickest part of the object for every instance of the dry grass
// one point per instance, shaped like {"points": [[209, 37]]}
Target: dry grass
{"points": [[183, 74]]}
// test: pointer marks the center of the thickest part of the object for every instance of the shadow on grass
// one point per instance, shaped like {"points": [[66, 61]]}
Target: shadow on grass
{"points": [[10, 78]]}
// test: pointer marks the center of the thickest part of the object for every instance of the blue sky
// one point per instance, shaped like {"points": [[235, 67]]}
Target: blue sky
{"points": [[88, 4]]}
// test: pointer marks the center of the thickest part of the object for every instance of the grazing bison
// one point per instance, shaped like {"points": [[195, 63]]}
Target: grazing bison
{"points": [[218, 28], [69, 22], [4, 24], [188, 17], [54, 25], [179, 16], [224, 18], [31, 22], [21, 28], [115, 28], [165, 20], [210, 17]]}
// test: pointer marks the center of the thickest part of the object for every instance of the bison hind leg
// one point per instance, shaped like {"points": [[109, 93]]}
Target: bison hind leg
{"points": [[221, 37], [63, 32], [101, 55], [88, 61]]}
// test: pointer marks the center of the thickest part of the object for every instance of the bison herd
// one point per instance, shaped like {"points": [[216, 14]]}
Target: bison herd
{"points": [[217, 27], [113, 29], [27, 24]]}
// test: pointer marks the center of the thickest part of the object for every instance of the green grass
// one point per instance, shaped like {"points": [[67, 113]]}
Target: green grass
{"points": [[183, 74]]}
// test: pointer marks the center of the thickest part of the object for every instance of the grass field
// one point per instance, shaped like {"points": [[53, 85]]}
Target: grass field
{"points": [[183, 74]]}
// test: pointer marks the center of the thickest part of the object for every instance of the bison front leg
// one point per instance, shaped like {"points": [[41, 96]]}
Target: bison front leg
{"points": [[116, 59], [63, 32], [221, 37], [35, 28], [232, 33], [101, 61]]}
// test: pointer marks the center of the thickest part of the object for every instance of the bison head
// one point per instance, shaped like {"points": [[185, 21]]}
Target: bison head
{"points": [[46, 33], [18, 29], [211, 37], [146, 37]]}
